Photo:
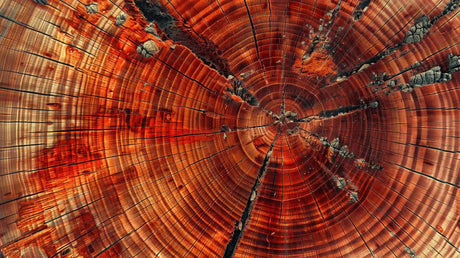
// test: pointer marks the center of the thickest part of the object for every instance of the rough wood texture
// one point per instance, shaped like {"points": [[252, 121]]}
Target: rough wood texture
{"points": [[305, 128]]}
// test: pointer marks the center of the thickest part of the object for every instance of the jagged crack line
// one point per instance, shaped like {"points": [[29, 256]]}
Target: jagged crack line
{"points": [[238, 231], [426, 175], [385, 52], [309, 187], [192, 164], [199, 134], [200, 192], [215, 200], [332, 113], [254, 35], [201, 46]]}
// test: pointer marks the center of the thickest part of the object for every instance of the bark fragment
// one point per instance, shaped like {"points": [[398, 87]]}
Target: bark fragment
{"points": [[148, 48]]}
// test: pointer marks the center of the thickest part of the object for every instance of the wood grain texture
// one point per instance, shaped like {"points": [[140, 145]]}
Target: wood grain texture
{"points": [[271, 128]]}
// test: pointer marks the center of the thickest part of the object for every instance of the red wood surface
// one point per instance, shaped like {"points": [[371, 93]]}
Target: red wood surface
{"points": [[107, 152]]}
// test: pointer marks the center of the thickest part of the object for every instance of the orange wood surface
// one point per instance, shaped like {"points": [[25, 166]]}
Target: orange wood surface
{"points": [[108, 152]]}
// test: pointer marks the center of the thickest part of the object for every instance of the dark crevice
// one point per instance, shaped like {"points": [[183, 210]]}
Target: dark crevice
{"points": [[45, 2], [241, 225], [433, 75], [415, 34], [181, 32], [254, 35], [389, 50], [431, 177], [450, 7], [154, 12], [321, 36], [202, 47], [338, 111], [333, 14], [360, 9], [311, 47], [335, 112], [241, 91], [343, 150]]}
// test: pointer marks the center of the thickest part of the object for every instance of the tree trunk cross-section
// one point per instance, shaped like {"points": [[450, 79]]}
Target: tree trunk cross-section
{"points": [[229, 128]]}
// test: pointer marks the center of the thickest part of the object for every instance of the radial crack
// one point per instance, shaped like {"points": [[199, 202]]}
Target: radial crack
{"points": [[179, 31], [202, 47], [360, 9], [241, 224], [433, 75], [338, 111], [335, 112], [254, 35], [343, 150], [241, 91], [415, 34]]}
